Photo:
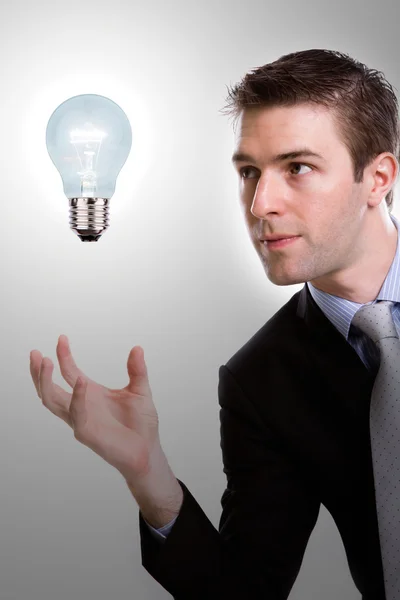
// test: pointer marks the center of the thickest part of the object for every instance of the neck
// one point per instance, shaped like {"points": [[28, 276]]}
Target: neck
{"points": [[362, 278]]}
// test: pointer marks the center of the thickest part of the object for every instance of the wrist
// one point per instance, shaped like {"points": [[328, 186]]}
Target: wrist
{"points": [[157, 493]]}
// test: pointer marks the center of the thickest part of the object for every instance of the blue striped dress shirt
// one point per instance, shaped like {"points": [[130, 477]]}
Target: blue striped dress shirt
{"points": [[341, 312]]}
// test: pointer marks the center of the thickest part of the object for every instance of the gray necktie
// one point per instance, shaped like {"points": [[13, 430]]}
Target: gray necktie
{"points": [[376, 321]]}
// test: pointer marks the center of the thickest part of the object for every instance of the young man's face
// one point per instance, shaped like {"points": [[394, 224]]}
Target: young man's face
{"points": [[313, 197]]}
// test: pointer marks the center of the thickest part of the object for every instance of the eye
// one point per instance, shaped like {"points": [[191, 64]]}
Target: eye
{"points": [[292, 165], [243, 170]]}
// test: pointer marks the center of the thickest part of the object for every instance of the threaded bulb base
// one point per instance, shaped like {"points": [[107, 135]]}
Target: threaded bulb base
{"points": [[88, 217]]}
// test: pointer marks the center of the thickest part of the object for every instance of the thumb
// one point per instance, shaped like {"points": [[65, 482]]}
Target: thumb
{"points": [[77, 408], [137, 371]]}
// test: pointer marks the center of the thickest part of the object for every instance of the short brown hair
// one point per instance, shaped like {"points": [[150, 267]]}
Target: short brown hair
{"points": [[365, 105]]}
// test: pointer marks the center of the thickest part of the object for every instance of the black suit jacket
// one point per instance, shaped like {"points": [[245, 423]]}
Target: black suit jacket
{"points": [[294, 433]]}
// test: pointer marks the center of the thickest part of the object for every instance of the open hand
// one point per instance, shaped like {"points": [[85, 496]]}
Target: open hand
{"points": [[119, 425]]}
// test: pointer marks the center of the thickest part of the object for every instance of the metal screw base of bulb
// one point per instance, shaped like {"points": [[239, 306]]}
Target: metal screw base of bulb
{"points": [[88, 217]]}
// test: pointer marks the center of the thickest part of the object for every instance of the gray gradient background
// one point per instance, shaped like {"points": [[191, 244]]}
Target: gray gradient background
{"points": [[174, 273]]}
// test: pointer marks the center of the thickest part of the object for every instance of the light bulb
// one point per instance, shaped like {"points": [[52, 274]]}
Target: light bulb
{"points": [[89, 138]]}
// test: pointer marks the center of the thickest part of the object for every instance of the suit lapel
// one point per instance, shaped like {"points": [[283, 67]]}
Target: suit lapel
{"points": [[333, 357]]}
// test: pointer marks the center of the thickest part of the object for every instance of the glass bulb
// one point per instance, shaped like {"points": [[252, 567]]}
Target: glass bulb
{"points": [[89, 138]]}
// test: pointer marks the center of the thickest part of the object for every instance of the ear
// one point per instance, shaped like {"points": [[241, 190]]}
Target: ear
{"points": [[382, 173]]}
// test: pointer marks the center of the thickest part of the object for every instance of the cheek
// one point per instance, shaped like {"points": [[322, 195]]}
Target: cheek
{"points": [[323, 199], [245, 202], [338, 185], [246, 194]]}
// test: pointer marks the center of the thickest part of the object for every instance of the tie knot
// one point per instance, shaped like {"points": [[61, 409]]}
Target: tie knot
{"points": [[376, 320]]}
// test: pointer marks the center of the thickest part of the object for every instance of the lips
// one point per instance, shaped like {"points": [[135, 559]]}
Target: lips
{"points": [[280, 242], [277, 236]]}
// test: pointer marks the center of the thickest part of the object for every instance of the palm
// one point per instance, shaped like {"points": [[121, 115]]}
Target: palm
{"points": [[121, 425]]}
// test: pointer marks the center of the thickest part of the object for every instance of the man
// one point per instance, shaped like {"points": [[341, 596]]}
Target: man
{"points": [[316, 153]]}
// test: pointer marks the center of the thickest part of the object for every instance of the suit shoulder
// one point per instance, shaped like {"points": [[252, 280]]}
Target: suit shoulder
{"points": [[272, 335]]}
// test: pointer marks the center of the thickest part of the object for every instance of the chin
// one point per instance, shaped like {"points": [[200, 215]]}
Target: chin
{"points": [[284, 278]]}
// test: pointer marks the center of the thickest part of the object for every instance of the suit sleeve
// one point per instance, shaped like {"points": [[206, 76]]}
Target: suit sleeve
{"points": [[268, 514], [161, 533]]}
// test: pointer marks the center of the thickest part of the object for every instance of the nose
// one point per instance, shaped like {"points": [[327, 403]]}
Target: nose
{"points": [[269, 196]]}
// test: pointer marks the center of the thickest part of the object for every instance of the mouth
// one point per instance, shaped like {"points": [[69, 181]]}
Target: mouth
{"points": [[281, 243]]}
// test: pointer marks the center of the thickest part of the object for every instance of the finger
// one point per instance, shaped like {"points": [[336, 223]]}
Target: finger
{"points": [[34, 367], [68, 367], [77, 408], [36, 359], [50, 393], [137, 371]]}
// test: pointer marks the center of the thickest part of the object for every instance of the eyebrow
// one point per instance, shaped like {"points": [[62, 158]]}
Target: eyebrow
{"points": [[243, 157]]}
